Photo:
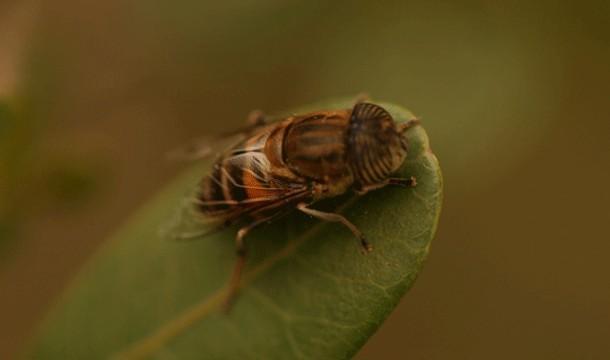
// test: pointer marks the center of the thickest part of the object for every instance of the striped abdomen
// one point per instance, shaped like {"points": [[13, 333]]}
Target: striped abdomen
{"points": [[242, 181]]}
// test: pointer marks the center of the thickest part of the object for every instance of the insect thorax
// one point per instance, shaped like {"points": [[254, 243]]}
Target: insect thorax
{"points": [[314, 146]]}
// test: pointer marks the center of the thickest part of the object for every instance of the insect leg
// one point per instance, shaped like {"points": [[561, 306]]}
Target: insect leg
{"points": [[403, 127], [333, 217], [256, 118], [240, 262], [404, 182], [362, 97], [196, 150]]}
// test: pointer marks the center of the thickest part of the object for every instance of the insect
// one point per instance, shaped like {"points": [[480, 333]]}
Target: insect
{"points": [[295, 162]]}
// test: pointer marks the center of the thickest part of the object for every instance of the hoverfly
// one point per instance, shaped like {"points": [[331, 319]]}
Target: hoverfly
{"points": [[298, 160]]}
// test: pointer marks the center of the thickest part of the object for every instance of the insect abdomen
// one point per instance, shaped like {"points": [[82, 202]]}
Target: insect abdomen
{"points": [[238, 182], [211, 198]]}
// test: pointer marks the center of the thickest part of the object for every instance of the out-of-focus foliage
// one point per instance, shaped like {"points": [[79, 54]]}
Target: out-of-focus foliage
{"points": [[15, 141], [6, 226]]}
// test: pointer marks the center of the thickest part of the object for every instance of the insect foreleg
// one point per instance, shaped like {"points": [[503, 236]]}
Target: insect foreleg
{"points": [[362, 97], [404, 182], [333, 217], [403, 127]]}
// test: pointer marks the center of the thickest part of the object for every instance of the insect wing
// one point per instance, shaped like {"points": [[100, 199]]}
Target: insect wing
{"points": [[203, 148]]}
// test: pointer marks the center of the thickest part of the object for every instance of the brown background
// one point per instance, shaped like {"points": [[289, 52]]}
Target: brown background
{"points": [[515, 97]]}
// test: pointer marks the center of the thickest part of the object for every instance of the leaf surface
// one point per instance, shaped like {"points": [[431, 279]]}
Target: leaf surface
{"points": [[307, 291]]}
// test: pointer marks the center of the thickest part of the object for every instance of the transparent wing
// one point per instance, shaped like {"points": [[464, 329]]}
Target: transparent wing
{"points": [[186, 223], [203, 147]]}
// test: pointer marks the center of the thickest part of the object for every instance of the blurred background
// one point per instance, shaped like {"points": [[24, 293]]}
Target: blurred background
{"points": [[515, 96]]}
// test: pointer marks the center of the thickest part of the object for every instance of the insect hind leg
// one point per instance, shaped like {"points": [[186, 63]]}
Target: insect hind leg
{"points": [[241, 251]]}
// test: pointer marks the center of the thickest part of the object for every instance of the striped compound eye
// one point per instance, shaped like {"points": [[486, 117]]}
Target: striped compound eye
{"points": [[376, 148]]}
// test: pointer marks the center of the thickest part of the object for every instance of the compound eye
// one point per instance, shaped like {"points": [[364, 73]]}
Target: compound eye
{"points": [[367, 115]]}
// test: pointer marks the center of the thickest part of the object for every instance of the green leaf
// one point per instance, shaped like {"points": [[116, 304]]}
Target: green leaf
{"points": [[307, 291]]}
